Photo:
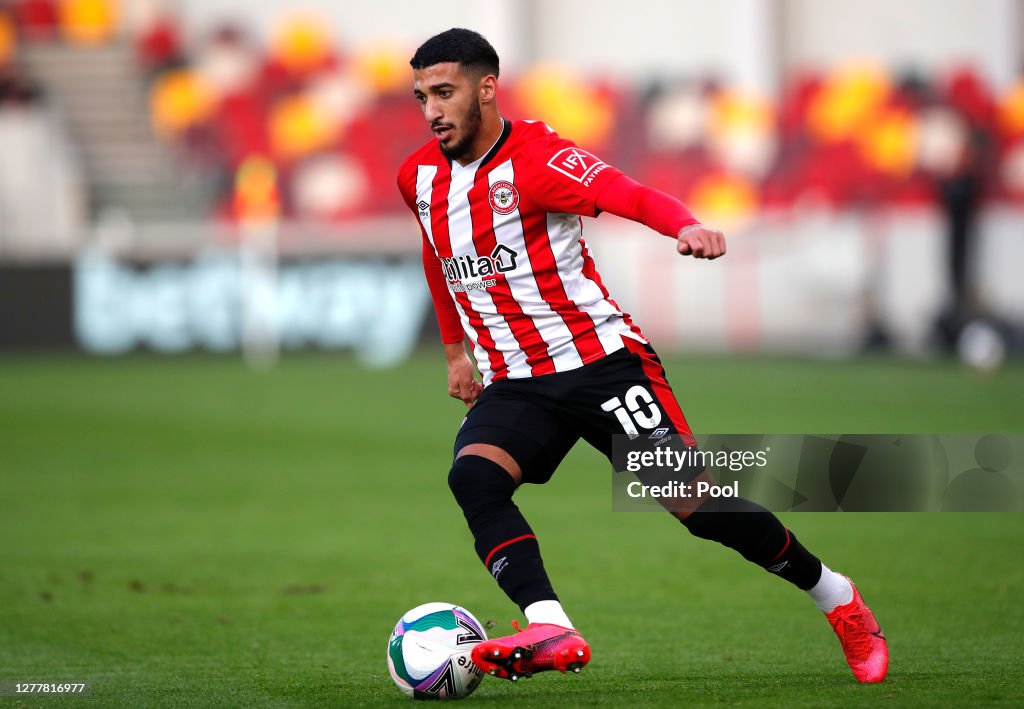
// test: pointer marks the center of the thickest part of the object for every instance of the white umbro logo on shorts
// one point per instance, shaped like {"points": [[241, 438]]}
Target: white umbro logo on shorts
{"points": [[658, 432]]}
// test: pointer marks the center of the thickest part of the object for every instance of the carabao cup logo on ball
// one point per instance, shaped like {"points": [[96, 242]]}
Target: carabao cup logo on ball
{"points": [[429, 652]]}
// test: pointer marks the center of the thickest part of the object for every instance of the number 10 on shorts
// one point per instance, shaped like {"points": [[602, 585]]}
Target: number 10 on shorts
{"points": [[639, 410]]}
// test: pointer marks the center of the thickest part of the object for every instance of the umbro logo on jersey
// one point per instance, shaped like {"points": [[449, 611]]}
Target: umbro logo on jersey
{"points": [[424, 208], [503, 197], [577, 164]]}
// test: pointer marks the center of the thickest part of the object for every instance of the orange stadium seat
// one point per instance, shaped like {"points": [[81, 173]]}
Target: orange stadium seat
{"points": [[298, 128], [1011, 111], [847, 102], [88, 22], [300, 47], [180, 99], [8, 39], [569, 104], [383, 68]]}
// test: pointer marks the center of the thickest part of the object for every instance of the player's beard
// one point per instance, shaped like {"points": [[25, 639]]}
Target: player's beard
{"points": [[470, 128]]}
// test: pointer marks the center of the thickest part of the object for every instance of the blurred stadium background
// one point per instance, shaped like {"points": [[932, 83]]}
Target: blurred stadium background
{"points": [[216, 176], [198, 174]]}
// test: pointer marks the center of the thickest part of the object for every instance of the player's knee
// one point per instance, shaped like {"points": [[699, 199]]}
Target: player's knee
{"points": [[460, 479], [493, 453], [479, 482]]}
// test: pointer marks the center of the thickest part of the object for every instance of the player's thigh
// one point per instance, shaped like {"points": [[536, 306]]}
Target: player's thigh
{"points": [[629, 395], [512, 418], [628, 403]]}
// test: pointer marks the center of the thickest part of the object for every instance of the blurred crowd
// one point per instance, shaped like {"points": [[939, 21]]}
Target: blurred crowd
{"points": [[335, 122]]}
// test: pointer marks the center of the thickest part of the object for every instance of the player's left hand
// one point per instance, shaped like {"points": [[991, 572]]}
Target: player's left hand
{"points": [[699, 241]]}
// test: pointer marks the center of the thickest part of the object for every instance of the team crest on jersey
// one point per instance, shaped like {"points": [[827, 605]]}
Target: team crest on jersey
{"points": [[577, 164], [504, 197]]}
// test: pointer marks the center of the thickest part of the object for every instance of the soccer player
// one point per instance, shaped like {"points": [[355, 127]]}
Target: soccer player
{"points": [[499, 204]]}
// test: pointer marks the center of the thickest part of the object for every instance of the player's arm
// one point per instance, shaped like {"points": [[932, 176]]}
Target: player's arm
{"points": [[462, 383], [568, 179], [625, 197]]}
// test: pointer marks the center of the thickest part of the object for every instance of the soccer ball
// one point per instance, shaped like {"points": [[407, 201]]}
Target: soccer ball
{"points": [[429, 652]]}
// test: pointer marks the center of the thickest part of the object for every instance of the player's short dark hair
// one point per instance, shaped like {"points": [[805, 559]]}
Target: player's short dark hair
{"points": [[470, 49]]}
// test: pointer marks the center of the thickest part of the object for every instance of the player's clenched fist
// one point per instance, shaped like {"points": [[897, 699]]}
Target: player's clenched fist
{"points": [[461, 382], [699, 241], [467, 389]]}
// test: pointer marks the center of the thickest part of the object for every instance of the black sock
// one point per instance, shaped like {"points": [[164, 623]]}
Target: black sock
{"points": [[503, 539], [758, 536]]}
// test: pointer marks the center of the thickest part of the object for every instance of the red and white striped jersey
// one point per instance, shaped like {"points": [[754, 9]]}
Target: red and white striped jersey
{"points": [[503, 240]]}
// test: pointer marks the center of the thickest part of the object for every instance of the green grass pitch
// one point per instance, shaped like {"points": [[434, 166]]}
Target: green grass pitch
{"points": [[184, 532]]}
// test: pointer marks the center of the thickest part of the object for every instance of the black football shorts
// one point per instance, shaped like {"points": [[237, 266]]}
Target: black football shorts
{"points": [[538, 420]]}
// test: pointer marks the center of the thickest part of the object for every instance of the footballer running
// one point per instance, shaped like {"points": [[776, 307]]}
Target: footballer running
{"points": [[499, 204]]}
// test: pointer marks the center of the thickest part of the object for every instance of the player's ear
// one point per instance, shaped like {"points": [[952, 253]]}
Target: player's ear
{"points": [[487, 89]]}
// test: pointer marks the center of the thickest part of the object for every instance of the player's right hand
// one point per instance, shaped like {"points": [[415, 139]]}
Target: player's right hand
{"points": [[462, 384]]}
